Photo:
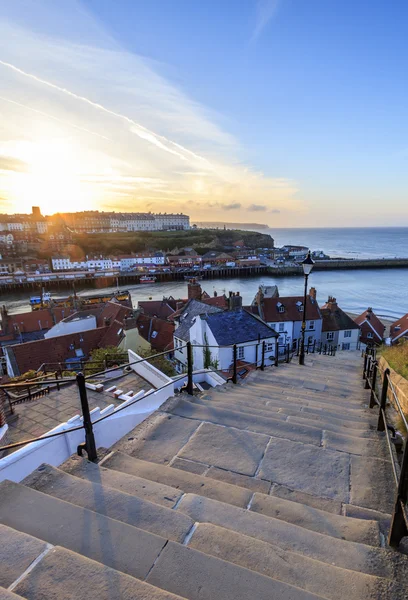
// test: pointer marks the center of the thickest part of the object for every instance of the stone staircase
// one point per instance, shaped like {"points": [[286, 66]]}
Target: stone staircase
{"points": [[279, 487]]}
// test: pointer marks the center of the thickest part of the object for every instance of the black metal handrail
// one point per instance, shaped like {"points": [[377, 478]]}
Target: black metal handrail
{"points": [[399, 523]]}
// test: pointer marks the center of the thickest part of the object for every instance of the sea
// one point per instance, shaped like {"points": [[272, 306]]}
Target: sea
{"points": [[385, 290]]}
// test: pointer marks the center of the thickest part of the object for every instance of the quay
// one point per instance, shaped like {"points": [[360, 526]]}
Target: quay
{"points": [[60, 280]]}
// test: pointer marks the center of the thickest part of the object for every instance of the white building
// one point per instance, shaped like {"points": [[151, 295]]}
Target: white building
{"points": [[76, 323], [61, 263], [338, 329]]}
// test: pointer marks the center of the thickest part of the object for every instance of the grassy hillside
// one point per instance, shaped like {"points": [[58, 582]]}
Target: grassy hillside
{"points": [[200, 239], [397, 358]]}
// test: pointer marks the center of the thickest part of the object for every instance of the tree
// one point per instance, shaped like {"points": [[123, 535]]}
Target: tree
{"points": [[109, 357], [160, 362]]}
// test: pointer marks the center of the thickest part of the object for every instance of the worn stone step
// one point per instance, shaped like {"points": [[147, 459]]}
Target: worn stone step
{"points": [[109, 502], [230, 418], [62, 574], [17, 551], [182, 480], [110, 542], [198, 576], [338, 526], [340, 553], [327, 423], [290, 407], [320, 578], [6, 595], [136, 486], [318, 385]]}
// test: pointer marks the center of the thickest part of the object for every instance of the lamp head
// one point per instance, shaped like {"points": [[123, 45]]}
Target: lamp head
{"points": [[307, 264]]}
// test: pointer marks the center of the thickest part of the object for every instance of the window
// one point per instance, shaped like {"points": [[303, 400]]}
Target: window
{"points": [[241, 352], [269, 347], [281, 327], [330, 336], [311, 324], [370, 335], [281, 308], [346, 346], [347, 334]]}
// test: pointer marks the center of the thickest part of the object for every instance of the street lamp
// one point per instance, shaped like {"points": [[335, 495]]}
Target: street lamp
{"points": [[307, 265]]}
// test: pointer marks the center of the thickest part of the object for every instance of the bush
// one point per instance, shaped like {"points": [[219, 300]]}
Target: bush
{"points": [[113, 356], [25, 376], [160, 362]]}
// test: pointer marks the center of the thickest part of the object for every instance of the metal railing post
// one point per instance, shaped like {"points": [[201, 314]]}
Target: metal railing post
{"points": [[56, 377], [263, 356], [365, 365], [234, 367], [373, 384], [190, 385], [384, 394], [276, 352], [287, 353], [399, 527], [89, 446], [368, 371]]}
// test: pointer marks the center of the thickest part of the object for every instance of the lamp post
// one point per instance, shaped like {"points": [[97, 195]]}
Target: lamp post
{"points": [[307, 265]]}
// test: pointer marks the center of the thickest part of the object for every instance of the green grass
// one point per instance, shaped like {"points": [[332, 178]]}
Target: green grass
{"points": [[397, 358]]}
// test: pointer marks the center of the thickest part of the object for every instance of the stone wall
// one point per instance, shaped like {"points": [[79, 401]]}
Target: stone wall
{"points": [[400, 385]]}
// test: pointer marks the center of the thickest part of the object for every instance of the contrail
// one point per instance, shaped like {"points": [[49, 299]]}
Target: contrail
{"points": [[144, 133], [39, 112]]}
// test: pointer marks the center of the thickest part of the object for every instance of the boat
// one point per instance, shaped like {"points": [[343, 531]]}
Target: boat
{"points": [[147, 279], [45, 301], [42, 301]]}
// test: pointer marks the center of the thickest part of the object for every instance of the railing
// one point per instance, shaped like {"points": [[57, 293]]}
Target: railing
{"points": [[399, 523]]}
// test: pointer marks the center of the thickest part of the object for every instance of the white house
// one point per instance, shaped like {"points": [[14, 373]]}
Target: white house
{"points": [[61, 263], [338, 329]]}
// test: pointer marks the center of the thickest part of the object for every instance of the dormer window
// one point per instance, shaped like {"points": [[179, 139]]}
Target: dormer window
{"points": [[280, 307]]}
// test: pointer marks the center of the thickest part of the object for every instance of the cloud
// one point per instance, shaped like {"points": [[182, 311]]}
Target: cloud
{"points": [[265, 11], [275, 211], [101, 127], [232, 206], [257, 207], [9, 163]]}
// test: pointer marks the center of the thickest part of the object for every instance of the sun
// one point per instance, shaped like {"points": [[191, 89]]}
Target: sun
{"points": [[52, 180]]}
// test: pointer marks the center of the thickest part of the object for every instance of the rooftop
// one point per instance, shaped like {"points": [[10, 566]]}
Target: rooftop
{"points": [[192, 309], [237, 327]]}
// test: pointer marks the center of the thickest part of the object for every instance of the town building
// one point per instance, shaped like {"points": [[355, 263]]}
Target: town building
{"points": [[371, 328], [338, 329], [399, 330]]}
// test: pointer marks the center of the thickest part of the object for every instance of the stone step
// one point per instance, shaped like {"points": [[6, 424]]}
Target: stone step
{"points": [[230, 418], [360, 416], [338, 526], [311, 575], [137, 486], [110, 542], [292, 538], [109, 502], [17, 552], [198, 576], [6, 595], [331, 424], [312, 381], [62, 574], [284, 429]]}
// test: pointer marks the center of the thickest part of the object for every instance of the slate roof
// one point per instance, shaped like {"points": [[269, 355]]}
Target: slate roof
{"points": [[192, 309], [336, 320], [270, 310], [237, 327], [375, 323]]}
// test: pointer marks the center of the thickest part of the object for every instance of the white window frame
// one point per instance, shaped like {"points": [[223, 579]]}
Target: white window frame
{"points": [[330, 336], [241, 352], [347, 334], [281, 309], [281, 327], [346, 346], [312, 325], [370, 335], [269, 346]]}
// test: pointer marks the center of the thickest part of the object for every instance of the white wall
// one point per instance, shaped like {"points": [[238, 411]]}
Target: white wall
{"points": [[355, 334], [155, 377], [74, 326]]}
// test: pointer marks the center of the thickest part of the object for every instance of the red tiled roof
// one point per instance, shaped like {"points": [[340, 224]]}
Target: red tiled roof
{"points": [[157, 332], [113, 311], [219, 301], [156, 308], [373, 320], [399, 327], [271, 313], [44, 318]]}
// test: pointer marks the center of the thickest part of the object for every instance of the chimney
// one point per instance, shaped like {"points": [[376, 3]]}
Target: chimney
{"points": [[4, 319], [312, 293], [331, 303], [234, 301], [194, 290], [215, 293]]}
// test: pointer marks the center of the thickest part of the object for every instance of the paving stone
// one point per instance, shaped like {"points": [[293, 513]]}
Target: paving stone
{"points": [[251, 483], [17, 552], [228, 448], [372, 484], [189, 465], [331, 506], [306, 468]]}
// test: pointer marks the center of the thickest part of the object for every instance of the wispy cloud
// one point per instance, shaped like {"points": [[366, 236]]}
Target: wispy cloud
{"points": [[98, 126], [265, 11], [257, 207]]}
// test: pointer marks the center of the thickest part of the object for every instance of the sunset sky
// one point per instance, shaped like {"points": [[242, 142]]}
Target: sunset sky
{"points": [[285, 112]]}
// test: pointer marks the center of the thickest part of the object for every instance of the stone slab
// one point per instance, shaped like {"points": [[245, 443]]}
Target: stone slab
{"points": [[308, 574], [303, 467], [189, 465], [6, 595], [228, 448], [268, 426], [346, 443], [372, 484], [181, 480], [159, 439], [17, 552], [197, 576], [251, 483], [338, 526], [68, 576], [331, 506], [109, 502], [136, 486], [60, 523]]}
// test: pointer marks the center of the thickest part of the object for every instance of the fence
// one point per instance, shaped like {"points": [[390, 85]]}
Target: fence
{"points": [[398, 451]]}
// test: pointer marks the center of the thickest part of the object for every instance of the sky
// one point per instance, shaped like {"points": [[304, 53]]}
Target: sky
{"points": [[281, 112]]}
